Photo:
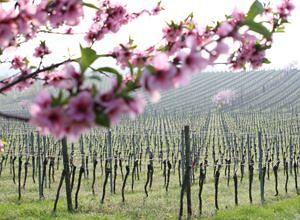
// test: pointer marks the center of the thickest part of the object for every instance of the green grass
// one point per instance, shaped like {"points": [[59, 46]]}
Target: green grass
{"points": [[285, 209]]}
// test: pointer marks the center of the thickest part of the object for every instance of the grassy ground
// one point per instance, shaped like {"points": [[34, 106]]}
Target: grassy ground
{"points": [[285, 209], [159, 205]]}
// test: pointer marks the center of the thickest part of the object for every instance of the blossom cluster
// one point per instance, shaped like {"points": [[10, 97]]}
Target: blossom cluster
{"points": [[69, 116], [248, 52], [285, 8], [185, 49], [29, 18], [189, 49], [21, 64], [224, 97], [111, 17]]}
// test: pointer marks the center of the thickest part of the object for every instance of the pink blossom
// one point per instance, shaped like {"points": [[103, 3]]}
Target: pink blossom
{"points": [[257, 59], [8, 31], [237, 16], [122, 55], [172, 34], [73, 130], [42, 101], [192, 40], [161, 62], [154, 96], [40, 16], [224, 97], [67, 78], [161, 77], [159, 80], [65, 12], [185, 50], [221, 48], [193, 61], [71, 72], [173, 48], [158, 8], [135, 106], [41, 50], [181, 78], [285, 8], [117, 16], [18, 63], [111, 17], [114, 110], [25, 83], [80, 108], [139, 58], [1, 147], [63, 121], [23, 20], [56, 79], [80, 115], [224, 29], [248, 53], [127, 78], [108, 19], [112, 106], [49, 121]]}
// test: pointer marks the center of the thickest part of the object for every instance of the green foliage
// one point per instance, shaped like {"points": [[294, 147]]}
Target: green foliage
{"points": [[280, 29], [113, 71], [266, 61], [255, 9], [90, 5], [59, 99], [88, 56], [102, 119], [258, 28]]}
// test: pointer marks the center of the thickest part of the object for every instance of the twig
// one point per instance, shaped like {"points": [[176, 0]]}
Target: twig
{"points": [[23, 78], [16, 117]]}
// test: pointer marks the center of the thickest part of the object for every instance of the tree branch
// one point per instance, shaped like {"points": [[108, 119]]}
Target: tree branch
{"points": [[15, 117], [31, 75]]}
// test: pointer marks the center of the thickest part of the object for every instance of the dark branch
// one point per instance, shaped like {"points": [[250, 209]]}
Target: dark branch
{"points": [[31, 75], [15, 117]]}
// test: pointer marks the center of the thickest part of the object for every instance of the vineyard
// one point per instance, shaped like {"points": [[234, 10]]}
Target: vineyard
{"points": [[184, 156]]}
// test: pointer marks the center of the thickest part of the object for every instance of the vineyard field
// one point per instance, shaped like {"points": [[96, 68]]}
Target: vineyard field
{"points": [[243, 157]]}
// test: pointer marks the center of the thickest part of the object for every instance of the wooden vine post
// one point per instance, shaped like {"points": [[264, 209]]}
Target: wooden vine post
{"points": [[110, 160], [291, 147], [65, 155], [186, 184], [41, 196], [182, 154], [260, 163]]}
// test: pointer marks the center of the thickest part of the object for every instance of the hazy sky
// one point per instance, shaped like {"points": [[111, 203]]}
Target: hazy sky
{"points": [[146, 30]]}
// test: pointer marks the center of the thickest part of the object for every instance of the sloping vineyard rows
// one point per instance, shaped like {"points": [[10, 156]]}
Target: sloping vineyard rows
{"points": [[255, 90], [259, 90]]}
